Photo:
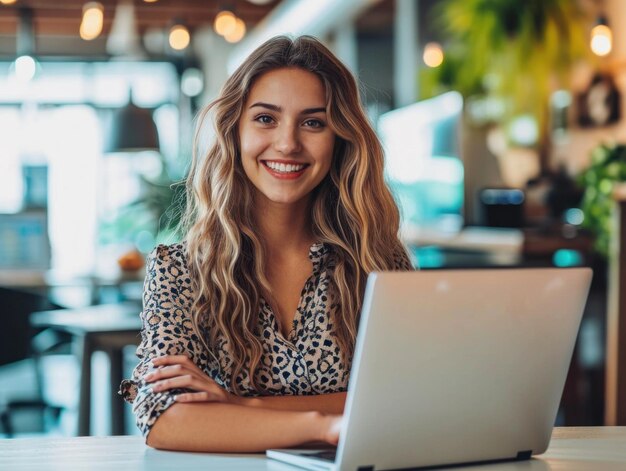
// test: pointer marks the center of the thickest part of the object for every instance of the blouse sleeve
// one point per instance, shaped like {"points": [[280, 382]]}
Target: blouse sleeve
{"points": [[402, 260], [166, 330]]}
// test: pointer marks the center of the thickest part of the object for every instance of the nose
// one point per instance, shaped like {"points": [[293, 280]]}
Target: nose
{"points": [[287, 140]]}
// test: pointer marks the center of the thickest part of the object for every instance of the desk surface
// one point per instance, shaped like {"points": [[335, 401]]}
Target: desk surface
{"points": [[571, 449], [102, 318]]}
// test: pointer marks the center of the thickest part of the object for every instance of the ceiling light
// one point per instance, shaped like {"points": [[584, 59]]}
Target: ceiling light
{"points": [[601, 37], [236, 34], [93, 16], [179, 37], [8, 2], [433, 55], [225, 22], [133, 130], [25, 68], [192, 82], [123, 40]]}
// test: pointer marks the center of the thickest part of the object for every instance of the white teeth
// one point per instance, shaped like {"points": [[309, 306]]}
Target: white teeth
{"points": [[288, 168]]}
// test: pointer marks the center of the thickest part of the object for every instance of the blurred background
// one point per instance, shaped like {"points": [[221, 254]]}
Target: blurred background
{"points": [[502, 122]]}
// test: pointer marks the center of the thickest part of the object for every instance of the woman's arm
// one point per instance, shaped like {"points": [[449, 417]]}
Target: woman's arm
{"points": [[229, 428], [178, 371], [332, 403]]}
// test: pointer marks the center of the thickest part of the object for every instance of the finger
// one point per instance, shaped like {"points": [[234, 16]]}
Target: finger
{"points": [[168, 372], [203, 396], [170, 360], [175, 369], [185, 381], [170, 383]]}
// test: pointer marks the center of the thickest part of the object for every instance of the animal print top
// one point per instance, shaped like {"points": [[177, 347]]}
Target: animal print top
{"points": [[306, 363]]}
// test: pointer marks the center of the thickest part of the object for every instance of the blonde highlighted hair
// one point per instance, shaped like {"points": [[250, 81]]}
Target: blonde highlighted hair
{"points": [[353, 211]]}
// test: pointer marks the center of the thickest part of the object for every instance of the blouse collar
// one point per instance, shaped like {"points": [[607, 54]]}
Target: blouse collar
{"points": [[319, 256]]}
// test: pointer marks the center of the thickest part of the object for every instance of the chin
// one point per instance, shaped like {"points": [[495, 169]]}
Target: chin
{"points": [[284, 199]]}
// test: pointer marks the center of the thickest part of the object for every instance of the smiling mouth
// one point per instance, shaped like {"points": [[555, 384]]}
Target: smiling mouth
{"points": [[284, 169]]}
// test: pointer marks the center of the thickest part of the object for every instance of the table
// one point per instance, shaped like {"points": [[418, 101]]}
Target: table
{"points": [[94, 287], [107, 327], [571, 449], [496, 246]]}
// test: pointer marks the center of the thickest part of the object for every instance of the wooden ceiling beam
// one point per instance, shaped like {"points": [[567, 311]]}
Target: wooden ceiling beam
{"points": [[62, 17]]}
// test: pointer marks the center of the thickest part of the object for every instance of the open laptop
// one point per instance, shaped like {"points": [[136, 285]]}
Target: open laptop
{"points": [[455, 366]]}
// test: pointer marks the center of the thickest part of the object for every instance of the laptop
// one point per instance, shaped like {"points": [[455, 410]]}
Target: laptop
{"points": [[455, 367]]}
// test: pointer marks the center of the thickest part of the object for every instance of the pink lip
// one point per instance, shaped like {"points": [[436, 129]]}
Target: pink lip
{"points": [[284, 176]]}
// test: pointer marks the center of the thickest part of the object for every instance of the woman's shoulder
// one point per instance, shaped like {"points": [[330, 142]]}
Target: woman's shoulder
{"points": [[167, 252], [401, 259], [167, 258], [167, 273]]}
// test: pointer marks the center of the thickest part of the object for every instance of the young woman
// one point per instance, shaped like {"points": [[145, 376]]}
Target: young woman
{"points": [[249, 325]]}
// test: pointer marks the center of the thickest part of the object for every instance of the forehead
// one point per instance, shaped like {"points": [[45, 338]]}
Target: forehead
{"points": [[288, 86]]}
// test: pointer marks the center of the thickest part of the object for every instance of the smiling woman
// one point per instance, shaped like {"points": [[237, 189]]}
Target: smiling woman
{"points": [[250, 324], [286, 144]]}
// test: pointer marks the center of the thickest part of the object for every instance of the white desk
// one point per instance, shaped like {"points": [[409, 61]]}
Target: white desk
{"points": [[571, 449], [499, 246]]}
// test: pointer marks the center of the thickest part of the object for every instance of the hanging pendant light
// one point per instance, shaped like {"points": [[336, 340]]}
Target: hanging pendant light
{"points": [[601, 37], [179, 37], [237, 33], [123, 40], [25, 66], [225, 22], [133, 130], [92, 22]]}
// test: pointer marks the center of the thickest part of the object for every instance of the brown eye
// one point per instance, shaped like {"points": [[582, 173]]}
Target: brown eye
{"points": [[314, 123], [264, 119]]}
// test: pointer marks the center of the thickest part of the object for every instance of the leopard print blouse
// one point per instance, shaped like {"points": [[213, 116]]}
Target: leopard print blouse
{"points": [[306, 363]]}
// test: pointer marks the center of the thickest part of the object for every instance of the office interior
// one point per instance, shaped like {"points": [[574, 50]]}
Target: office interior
{"points": [[503, 127]]}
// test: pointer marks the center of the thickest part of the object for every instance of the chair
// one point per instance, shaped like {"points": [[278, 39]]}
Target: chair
{"points": [[21, 352]]}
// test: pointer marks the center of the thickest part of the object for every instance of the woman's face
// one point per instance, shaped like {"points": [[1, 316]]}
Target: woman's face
{"points": [[285, 141]]}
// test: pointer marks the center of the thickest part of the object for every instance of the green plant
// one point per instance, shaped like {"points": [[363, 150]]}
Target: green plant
{"points": [[514, 51], [608, 167], [153, 218]]}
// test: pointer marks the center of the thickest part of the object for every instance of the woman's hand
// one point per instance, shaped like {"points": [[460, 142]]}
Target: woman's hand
{"points": [[178, 371], [331, 428]]}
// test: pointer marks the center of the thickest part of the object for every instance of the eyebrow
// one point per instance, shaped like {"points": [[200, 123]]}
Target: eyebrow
{"points": [[278, 109]]}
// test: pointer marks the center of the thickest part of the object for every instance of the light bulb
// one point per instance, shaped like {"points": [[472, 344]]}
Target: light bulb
{"points": [[179, 37], [225, 22], [433, 55], [25, 68], [192, 82], [237, 33], [93, 17], [601, 40]]}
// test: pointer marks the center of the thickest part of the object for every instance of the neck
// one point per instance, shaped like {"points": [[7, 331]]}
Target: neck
{"points": [[285, 228]]}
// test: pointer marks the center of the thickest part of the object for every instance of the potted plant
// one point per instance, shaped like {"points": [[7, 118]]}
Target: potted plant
{"points": [[608, 167], [506, 57], [153, 218]]}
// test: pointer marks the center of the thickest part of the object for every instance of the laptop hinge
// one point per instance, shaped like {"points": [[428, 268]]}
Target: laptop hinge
{"points": [[524, 455]]}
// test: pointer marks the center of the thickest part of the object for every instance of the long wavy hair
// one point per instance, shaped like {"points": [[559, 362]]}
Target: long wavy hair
{"points": [[353, 211]]}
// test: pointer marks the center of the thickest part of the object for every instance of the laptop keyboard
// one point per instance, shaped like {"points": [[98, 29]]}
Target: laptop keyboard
{"points": [[327, 455]]}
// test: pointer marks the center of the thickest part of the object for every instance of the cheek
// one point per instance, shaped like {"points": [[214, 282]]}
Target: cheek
{"points": [[251, 145]]}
